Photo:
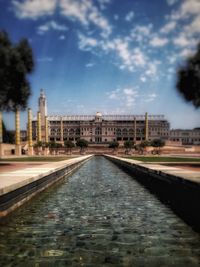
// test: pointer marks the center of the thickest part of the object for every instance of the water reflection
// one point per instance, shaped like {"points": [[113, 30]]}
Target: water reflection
{"points": [[99, 216]]}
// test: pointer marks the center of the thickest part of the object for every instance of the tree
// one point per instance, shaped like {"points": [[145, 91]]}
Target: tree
{"points": [[16, 62], [69, 145], [128, 146], [8, 136], [157, 143], [141, 147], [54, 145], [188, 80], [38, 144], [114, 145], [82, 143]]}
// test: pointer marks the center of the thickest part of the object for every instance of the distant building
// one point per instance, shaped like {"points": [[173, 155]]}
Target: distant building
{"points": [[186, 137], [100, 129]]}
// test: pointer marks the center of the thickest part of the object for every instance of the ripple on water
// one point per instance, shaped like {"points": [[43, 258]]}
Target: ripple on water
{"points": [[100, 216]]}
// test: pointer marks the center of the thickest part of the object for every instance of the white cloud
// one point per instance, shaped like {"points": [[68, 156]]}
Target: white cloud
{"points": [[190, 7], [171, 2], [152, 69], [123, 51], [45, 59], [89, 65], [130, 58], [186, 52], [103, 3], [116, 17], [182, 40], [86, 43], [143, 79], [129, 17], [126, 96], [158, 42], [86, 13], [62, 37], [194, 26], [51, 25], [83, 11], [189, 14], [130, 92], [172, 58], [33, 9], [150, 97], [138, 58], [140, 32], [101, 22], [169, 27], [114, 94]]}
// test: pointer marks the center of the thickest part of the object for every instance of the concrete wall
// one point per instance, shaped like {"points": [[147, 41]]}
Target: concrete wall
{"points": [[6, 149], [14, 195], [181, 195]]}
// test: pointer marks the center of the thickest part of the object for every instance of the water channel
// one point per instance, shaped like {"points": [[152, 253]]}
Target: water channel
{"points": [[99, 216]]}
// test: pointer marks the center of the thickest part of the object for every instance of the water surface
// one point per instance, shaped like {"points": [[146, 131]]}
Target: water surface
{"points": [[99, 216]]}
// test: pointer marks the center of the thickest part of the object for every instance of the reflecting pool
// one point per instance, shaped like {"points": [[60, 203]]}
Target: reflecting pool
{"points": [[99, 216]]}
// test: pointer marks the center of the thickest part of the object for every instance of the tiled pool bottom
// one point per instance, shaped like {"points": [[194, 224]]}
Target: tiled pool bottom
{"points": [[99, 216]]}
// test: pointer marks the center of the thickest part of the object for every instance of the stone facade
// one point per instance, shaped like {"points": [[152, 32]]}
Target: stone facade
{"points": [[186, 137], [100, 129]]}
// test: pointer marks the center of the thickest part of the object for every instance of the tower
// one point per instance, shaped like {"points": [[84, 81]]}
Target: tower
{"points": [[42, 103]]}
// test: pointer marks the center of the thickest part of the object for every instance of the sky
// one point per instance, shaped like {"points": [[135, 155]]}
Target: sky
{"points": [[111, 56]]}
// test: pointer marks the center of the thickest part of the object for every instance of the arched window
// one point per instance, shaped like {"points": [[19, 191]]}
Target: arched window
{"points": [[77, 132], [118, 132], [71, 132], [124, 132], [98, 131], [131, 132]]}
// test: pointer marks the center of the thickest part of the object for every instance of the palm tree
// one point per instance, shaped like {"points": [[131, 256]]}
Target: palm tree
{"points": [[15, 64]]}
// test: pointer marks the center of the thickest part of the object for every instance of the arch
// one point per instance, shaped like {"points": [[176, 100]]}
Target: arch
{"points": [[98, 131]]}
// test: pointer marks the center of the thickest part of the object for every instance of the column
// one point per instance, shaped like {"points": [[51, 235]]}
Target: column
{"points": [[30, 139], [46, 150], [146, 127], [17, 133], [39, 135], [46, 130], [61, 130], [135, 128]]}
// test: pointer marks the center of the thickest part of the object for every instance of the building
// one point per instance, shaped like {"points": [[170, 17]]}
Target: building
{"points": [[186, 137], [97, 129]]}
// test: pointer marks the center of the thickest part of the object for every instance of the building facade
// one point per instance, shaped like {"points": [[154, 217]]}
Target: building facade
{"points": [[98, 129], [185, 137]]}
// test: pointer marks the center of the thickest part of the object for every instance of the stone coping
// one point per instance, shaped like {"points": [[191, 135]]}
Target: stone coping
{"points": [[192, 176], [10, 181]]}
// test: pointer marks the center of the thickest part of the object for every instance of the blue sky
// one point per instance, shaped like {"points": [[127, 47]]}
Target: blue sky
{"points": [[112, 56]]}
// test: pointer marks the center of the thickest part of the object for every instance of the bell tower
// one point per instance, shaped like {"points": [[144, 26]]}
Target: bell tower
{"points": [[42, 104]]}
